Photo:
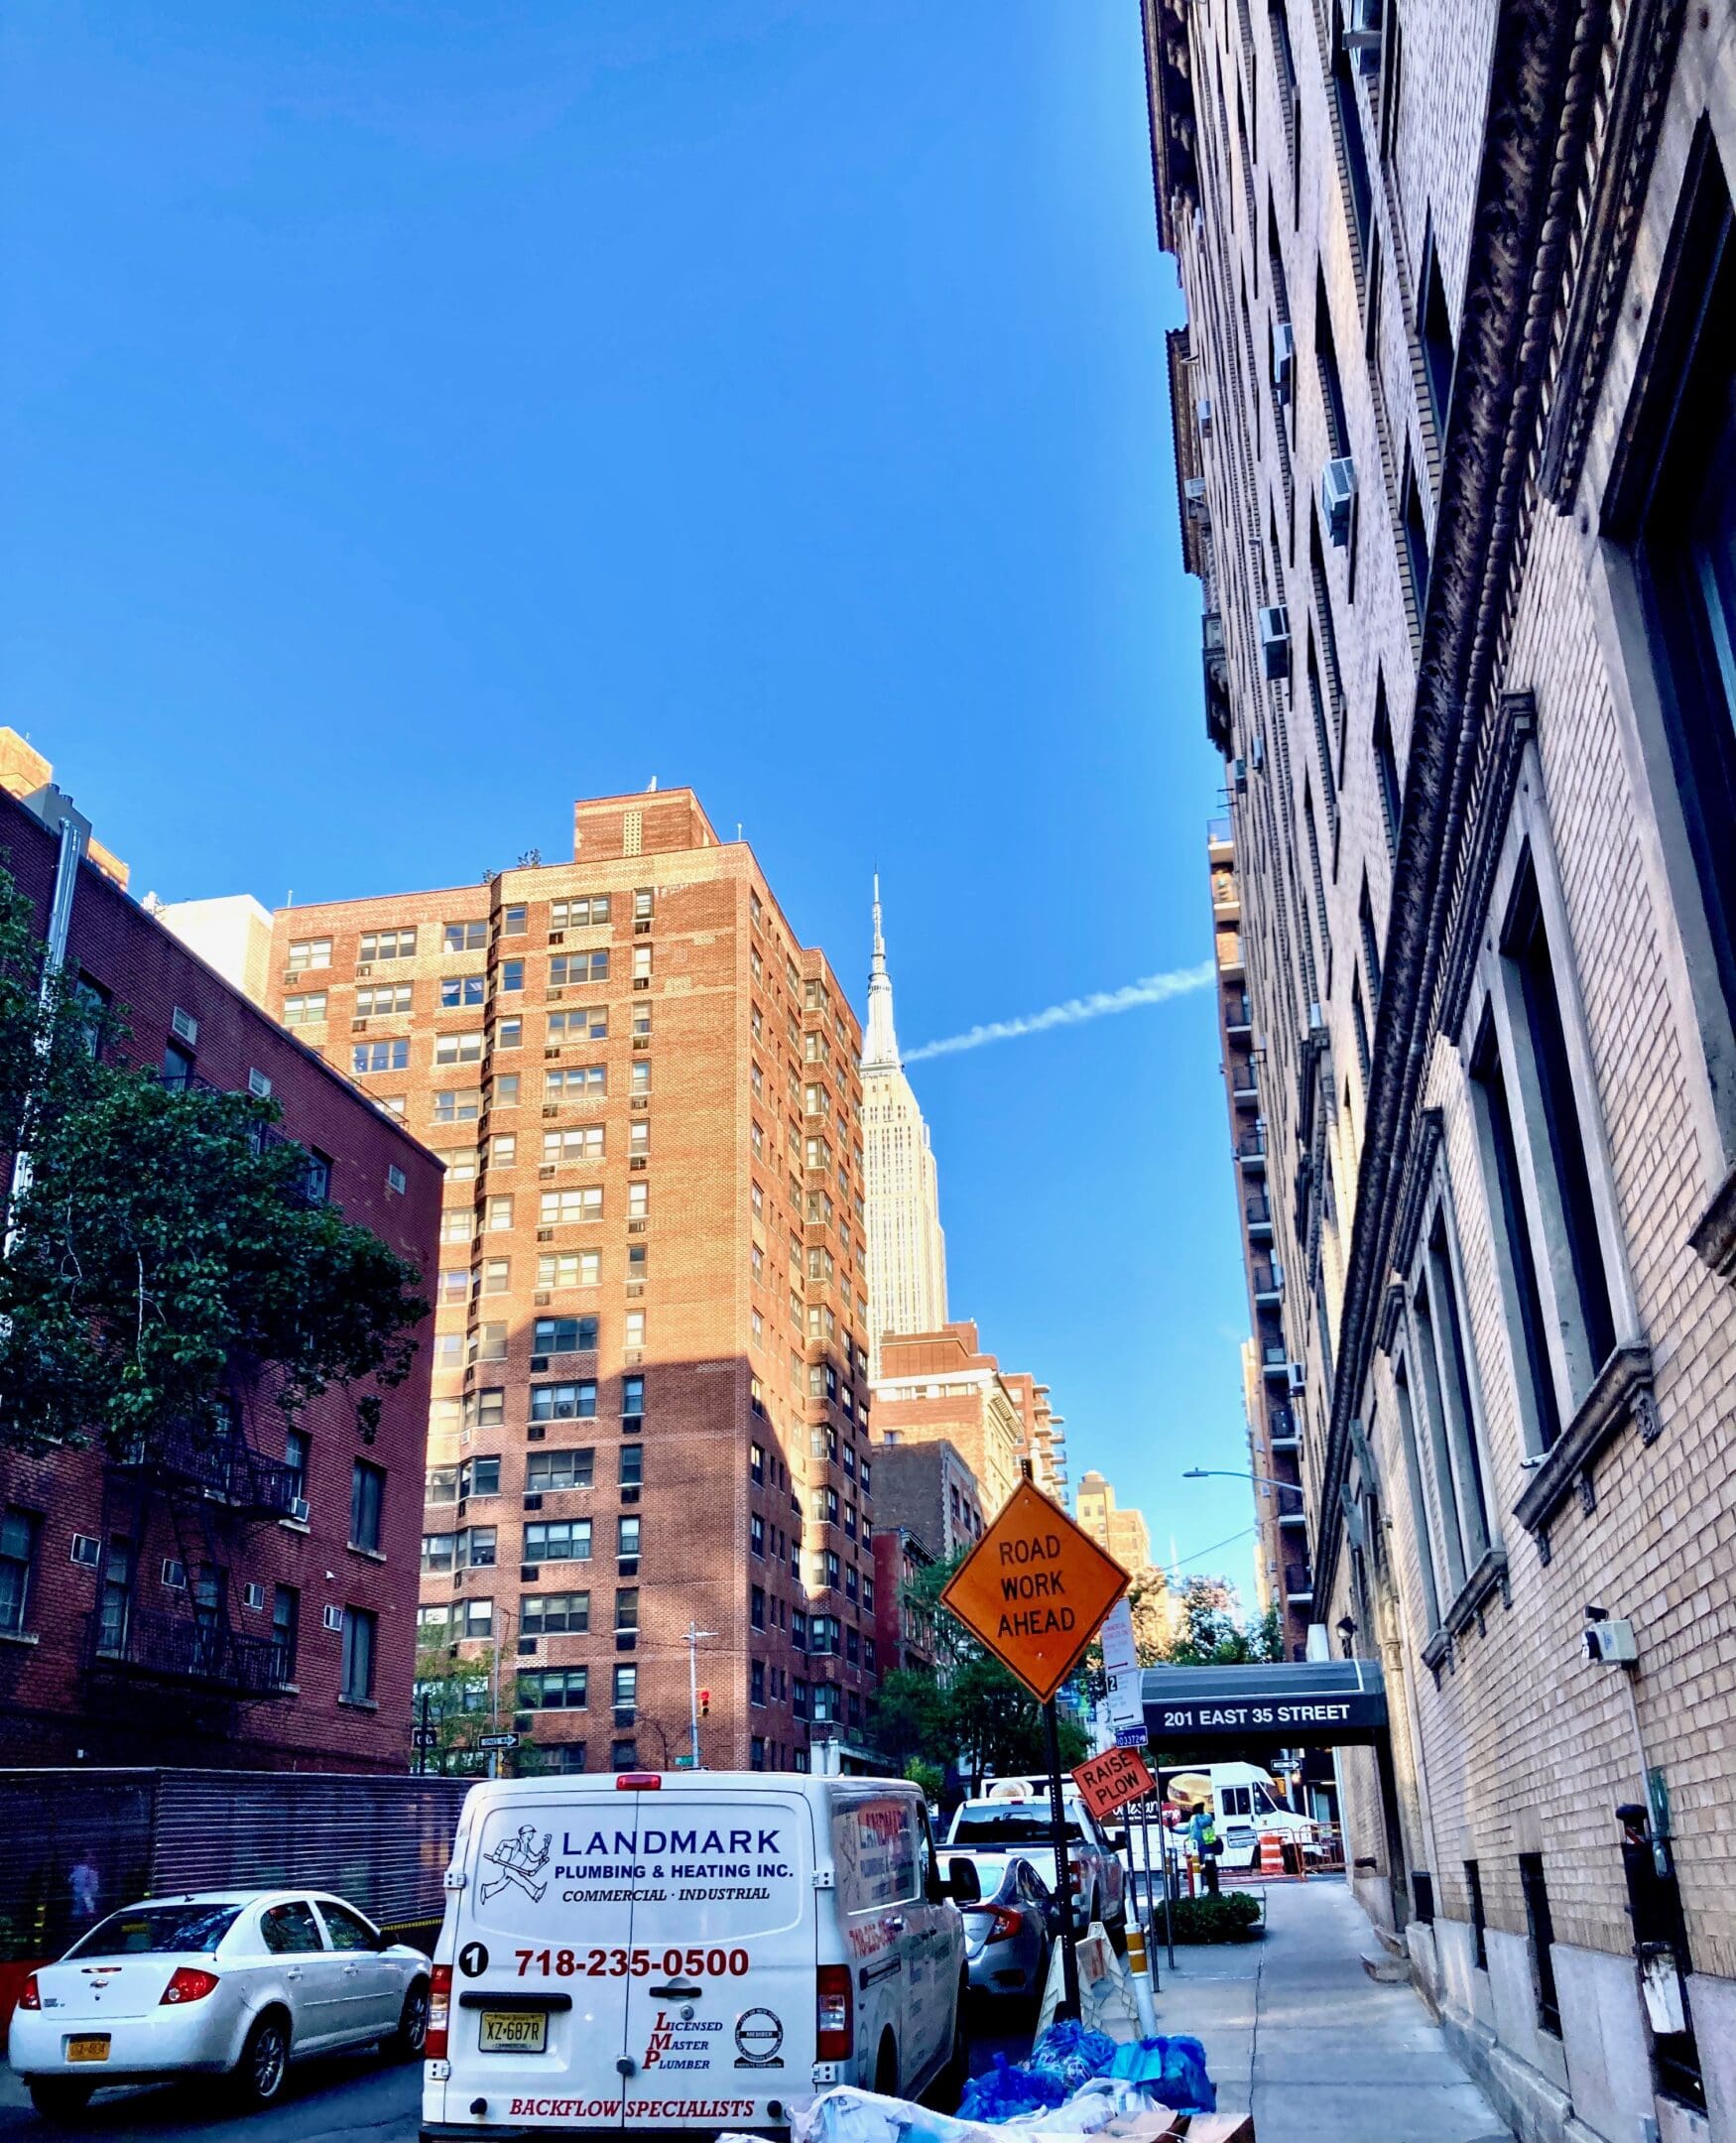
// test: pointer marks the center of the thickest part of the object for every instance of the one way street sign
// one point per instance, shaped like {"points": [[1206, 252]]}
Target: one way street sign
{"points": [[1034, 1589]]}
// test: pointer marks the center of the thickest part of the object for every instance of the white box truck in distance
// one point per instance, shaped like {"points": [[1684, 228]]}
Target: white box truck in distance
{"points": [[679, 1953]]}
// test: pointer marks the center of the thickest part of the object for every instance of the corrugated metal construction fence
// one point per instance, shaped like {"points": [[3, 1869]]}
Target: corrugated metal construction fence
{"points": [[77, 1843]]}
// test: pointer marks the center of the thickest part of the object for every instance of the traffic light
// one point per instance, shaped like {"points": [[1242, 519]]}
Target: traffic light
{"points": [[705, 1703]]}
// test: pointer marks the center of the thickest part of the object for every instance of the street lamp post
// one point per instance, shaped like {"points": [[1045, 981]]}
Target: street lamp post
{"points": [[693, 1638], [1264, 1480]]}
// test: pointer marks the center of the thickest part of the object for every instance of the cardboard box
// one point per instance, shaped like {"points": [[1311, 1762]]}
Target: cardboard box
{"points": [[1220, 2128]]}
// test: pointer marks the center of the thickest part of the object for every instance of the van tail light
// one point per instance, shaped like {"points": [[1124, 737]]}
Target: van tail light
{"points": [[834, 2015], [637, 1782], [440, 2013], [32, 1997], [190, 1983]]}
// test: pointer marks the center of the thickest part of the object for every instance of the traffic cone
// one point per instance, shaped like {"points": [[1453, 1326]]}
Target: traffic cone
{"points": [[1270, 1853]]}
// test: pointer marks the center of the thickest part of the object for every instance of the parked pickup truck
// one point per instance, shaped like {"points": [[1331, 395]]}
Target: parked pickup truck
{"points": [[1011, 1822]]}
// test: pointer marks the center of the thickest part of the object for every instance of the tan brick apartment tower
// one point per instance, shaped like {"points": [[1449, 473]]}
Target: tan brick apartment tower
{"points": [[651, 1384], [1273, 1443], [1455, 434]]}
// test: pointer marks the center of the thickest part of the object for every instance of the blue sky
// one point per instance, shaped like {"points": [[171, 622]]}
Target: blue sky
{"points": [[414, 415]]}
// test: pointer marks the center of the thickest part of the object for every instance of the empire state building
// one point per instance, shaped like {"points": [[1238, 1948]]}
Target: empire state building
{"points": [[907, 1250]]}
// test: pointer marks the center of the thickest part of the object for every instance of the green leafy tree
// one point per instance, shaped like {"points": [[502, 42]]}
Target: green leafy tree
{"points": [[169, 1257], [969, 1712], [457, 1689], [1209, 1635]]}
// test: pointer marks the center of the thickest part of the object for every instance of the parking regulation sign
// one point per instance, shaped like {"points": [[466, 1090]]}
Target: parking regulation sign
{"points": [[1034, 1589]]}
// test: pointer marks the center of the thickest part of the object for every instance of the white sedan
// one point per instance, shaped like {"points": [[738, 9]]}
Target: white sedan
{"points": [[238, 1982]]}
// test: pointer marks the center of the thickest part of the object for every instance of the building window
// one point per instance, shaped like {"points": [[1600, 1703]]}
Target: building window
{"points": [[553, 1689], [1540, 1146], [626, 1690], [549, 1470], [633, 1398], [756, 1534], [558, 1540], [459, 990], [757, 1693], [367, 1494], [567, 969], [387, 944], [386, 1001], [554, 1615], [563, 1402], [623, 1756], [359, 1629], [1434, 332], [1479, 1924], [1446, 1394], [514, 920], [307, 953], [627, 1544], [305, 1011], [367, 1056], [479, 1477], [564, 1335], [583, 1082], [457, 1049], [566, 1148], [626, 1611], [1541, 1927], [453, 1106], [566, 1208], [569, 1268], [296, 1450], [18, 1539], [579, 914], [464, 937], [633, 1466], [591, 1026], [511, 976]]}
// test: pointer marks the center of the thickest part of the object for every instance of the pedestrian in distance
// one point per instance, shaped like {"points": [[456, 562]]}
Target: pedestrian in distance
{"points": [[1202, 1833]]}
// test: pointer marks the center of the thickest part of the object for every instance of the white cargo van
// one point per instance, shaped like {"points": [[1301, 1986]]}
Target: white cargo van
{"points": [[666, 1953], [1245, 1802]]}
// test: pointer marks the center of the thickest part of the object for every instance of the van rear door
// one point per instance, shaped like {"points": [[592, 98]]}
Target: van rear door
{"points": [[539, 2007], [721, 1970]]}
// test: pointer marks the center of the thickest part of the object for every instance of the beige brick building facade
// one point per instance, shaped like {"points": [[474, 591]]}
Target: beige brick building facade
{"points": [[649, 1402], [1456, 454]]}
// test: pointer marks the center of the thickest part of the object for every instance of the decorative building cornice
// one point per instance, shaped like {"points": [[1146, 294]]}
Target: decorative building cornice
{"points": [[1623, 1393], [1542, 95], [1169, 98], [1651, 39], [1493, 786]]}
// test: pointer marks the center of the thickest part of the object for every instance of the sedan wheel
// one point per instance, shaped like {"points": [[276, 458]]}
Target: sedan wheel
{"points": [[59, 2102], [407, 2041], [259, 2075]]}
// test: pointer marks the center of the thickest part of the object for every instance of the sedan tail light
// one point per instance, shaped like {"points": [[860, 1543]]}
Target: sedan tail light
{"points": [[834, 2014], [440, 2013], [190, 1983], [32, 1997], [1003, 1923]]}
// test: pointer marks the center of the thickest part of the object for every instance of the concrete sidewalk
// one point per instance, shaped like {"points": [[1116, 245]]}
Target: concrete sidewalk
{"points": [[1295, 2031]]}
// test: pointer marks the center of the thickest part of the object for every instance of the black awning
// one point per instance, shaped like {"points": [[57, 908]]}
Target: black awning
{"points": [[1314, 1703]]}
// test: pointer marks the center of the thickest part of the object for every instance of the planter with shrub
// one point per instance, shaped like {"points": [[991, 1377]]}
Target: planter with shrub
{"points": [[1235, 1916]]}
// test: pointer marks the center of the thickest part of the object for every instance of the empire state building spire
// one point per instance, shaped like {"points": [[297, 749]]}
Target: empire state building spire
{"points": [[880, 1043], [907, 1248]]}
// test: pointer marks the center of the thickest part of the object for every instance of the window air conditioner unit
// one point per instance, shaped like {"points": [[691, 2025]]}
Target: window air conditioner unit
{"points": [[333, 1618], [299, 1509], [1338, 498], [1259, 753], [1274, 640], [173, 1574], [1203, 411], [252, 1596], [185, 1027], [1316, 1020], [1362, 32], [1283, 360], [1193, 491], [1298, 1376]]}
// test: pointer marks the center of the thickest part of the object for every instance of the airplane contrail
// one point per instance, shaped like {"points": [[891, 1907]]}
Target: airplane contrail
{"points": [[1149, 990]]}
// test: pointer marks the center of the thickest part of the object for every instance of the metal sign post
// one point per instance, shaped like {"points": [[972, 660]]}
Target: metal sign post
{"points": [[1145, 1854], [1057, 1830], [1033, 1590]]}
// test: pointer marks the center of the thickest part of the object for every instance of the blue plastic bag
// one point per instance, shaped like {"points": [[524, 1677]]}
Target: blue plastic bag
{"points": [[1008, 2090], [1172, 2070], [1069, 2051]]}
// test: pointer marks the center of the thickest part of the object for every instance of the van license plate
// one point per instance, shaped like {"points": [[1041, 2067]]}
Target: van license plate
{"points": [[88, 2050], [515, 2030]]}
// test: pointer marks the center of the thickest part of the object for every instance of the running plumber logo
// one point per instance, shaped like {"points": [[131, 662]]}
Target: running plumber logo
{"points": [[1034, 1589]]}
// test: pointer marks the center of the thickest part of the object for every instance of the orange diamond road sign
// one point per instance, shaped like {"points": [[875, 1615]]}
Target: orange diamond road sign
{"points": [[1034, 1589], [1108, 1781]]}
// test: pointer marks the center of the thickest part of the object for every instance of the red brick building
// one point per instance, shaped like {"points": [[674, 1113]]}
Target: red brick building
{"points": [[263, 1615], [650, 1393]]}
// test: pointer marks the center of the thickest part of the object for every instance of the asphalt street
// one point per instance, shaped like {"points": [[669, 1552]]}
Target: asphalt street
{"points": [[349, 2098]]}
